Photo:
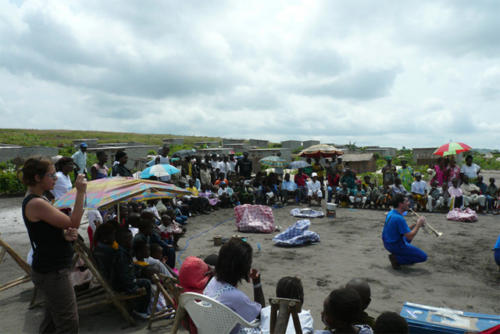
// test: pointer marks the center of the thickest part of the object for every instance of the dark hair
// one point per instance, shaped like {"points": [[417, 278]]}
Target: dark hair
{"points": [[390, 323], [211, 260], [105, 233], [234, 261], [122, 234], [398, 198], [100, 153], [363, 289], [139, 245], [63, 161], [343, 305], [119, 154], [32, 167], [290, 287]]}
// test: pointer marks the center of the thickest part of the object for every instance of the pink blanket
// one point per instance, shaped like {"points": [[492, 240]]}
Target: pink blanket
{"points": [[465, 215], [254, 218]]}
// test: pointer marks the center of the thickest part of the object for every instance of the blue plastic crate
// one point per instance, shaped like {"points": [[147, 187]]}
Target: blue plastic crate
{"points": [[423, 319]]}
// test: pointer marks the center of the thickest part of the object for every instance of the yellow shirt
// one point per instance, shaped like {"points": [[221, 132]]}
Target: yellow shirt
{"points": [[193, 190]]}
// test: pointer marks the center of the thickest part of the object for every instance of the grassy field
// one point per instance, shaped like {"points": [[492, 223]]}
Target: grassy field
{"points": [[62, 138]]}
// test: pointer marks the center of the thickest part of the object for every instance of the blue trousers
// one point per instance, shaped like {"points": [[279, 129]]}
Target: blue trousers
{"points": [[405, 252], [497, 256]]}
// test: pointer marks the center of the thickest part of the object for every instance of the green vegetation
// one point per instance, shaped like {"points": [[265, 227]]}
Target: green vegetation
{"points": [[64, 138], [9, 181]]}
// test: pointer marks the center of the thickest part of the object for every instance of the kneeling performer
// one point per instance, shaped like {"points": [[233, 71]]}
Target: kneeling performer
{"points": [[397, 236]]}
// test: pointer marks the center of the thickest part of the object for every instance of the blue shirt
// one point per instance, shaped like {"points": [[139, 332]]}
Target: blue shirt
{"points": [[395, 227], [289, 185], [497, 245]]}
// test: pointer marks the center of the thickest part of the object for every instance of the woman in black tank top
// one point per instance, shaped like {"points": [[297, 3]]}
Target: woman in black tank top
{"points": [[51, 233]]}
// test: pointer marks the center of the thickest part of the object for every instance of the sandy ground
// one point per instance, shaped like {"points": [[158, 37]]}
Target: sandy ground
{"points": [[459, 274]]}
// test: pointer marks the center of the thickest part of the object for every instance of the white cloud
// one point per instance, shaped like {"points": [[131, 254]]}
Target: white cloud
{"points": [[387, 73]]}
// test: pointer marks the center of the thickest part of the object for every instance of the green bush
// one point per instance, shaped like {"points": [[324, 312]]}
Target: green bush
{"points": [[10, 183]]}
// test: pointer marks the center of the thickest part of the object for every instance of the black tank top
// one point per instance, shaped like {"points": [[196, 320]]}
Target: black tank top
{"points": [[51, 251]]}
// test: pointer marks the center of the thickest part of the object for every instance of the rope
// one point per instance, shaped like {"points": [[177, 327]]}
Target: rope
{"points": [[197, 236]]}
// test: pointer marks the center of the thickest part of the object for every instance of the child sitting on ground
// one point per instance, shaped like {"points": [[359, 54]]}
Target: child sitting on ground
{"points": [[390, 322], [291, 288], [363, 289], [170, 231], [341, 309]]}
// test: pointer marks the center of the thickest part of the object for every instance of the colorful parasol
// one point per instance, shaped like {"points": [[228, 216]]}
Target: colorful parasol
{"points": [[274, 161], [159, 171], [452, 149], [320, 150], [298, 164], [151, 194], [108, 191]]}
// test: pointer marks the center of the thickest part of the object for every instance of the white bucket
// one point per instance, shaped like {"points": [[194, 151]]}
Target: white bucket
{"points": [[331, 206]]}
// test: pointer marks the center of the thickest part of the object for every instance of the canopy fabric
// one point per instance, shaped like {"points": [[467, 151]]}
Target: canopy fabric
{"points": [[320, 150], [452, 149], [298, 164], [159, 170], [274, 161], [108, 191]]}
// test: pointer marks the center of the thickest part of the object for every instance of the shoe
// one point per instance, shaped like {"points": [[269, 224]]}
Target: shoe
{"points": [[394, 262], [143, 316]]}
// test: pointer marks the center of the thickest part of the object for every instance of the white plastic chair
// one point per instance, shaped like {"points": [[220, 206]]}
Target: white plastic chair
{"points": [[208, 315]]}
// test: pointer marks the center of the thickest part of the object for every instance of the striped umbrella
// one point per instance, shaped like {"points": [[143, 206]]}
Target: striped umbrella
{"points": [[452, 149], [320, 150], [108, 191], [274, 161]]}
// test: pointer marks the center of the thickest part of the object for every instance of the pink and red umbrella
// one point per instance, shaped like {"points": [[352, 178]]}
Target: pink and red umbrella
{"points": [[452, 149]]}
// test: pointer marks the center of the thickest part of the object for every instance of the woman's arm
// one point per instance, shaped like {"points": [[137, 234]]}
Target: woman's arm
{"points": [[258, 294], [39, 209]]}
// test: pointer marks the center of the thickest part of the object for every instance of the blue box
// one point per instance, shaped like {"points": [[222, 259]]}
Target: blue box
{"points": [[423, 319]]}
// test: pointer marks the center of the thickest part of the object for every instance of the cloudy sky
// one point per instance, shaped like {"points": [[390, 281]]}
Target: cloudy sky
{"points": [[398, 73]]}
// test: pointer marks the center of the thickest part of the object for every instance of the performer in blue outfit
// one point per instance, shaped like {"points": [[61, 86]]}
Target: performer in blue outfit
{"points": [[496, 251], [397, 236]]}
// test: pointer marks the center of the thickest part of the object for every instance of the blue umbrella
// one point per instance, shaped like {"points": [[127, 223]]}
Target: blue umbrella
{"points": [[159, 171], [298, 164]]}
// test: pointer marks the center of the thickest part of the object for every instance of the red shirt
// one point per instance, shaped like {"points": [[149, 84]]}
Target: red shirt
{"points": [[300, 180]]}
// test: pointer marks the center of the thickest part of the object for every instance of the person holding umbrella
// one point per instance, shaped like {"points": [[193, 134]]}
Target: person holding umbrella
{"points": [[51, 233]]}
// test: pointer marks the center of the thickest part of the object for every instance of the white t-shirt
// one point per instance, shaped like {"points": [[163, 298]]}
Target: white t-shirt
{"points": [[62, 186], [305, 318], [470, 171], [93, 217]]}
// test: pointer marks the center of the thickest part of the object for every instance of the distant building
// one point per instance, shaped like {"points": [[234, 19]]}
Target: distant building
{"points": [[226, 141], [218, 150], [258, 142], [173, 141], [308, 143], [10, 152], [91, 142], [256, 154], [424, 156], [291, 144], [382, 151], [136, 153], [207, 144], [237, 147], [360, 162]]}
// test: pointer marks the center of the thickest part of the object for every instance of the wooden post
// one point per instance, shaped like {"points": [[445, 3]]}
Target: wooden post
{"points": [[179, 316]]}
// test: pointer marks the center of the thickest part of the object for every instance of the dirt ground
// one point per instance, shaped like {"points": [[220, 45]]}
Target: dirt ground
{"points": [[460, 272]]}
